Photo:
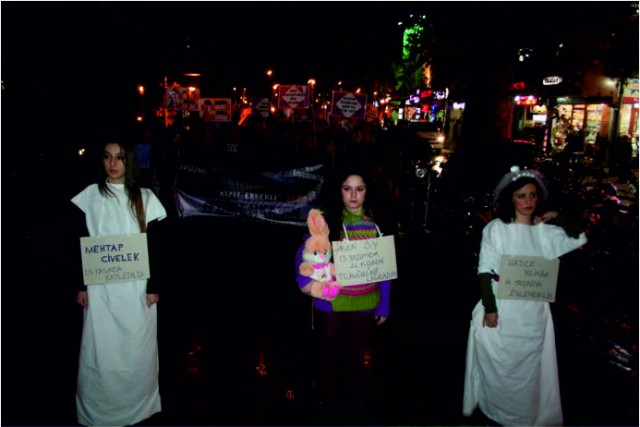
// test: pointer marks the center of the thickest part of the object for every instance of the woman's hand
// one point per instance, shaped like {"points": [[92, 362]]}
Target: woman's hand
{"points": [[547, 216], [152, 299], [82, 298], [490, 320], [380, 320]]}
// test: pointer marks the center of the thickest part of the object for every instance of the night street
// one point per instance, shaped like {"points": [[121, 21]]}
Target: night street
{"points": [[238, 351], [238, 115]]}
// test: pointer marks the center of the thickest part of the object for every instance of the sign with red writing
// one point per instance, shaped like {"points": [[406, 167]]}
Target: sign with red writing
{"points": [[291, 96], [215, 109], [348, 104], [183, 98]]}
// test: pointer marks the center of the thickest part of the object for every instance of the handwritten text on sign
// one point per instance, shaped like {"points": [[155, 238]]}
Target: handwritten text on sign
{"points": [[114, 259], [528, 278], [365, 261]]}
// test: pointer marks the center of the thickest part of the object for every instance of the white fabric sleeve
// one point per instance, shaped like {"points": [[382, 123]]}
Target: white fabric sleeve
{"points": [[153, 207], [489, 257], [557, 243], [80, 200]]}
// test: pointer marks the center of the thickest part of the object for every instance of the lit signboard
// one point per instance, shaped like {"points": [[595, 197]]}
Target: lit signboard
{"points": [[551, 80]]}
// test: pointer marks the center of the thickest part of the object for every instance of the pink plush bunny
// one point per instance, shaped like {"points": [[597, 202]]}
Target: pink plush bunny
{"points": [[317, 258]]}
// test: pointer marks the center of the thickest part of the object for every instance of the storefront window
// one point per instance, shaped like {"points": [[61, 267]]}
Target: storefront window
{"points": [[625, 119], [594, 119], [578, 116]]}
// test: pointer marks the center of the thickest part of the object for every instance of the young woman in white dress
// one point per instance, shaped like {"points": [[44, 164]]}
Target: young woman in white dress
{"points": [[511, 367], [118, 363]]}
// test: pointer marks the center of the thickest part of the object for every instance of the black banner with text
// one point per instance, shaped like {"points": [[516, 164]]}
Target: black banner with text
{"points": [[283, 197]]}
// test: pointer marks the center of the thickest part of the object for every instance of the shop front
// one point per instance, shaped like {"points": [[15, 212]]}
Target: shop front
{"points": [[629, 114]]}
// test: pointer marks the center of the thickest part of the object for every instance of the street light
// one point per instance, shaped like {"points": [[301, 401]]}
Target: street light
{"points": [[269, 74], [141, 91], [312, 83]]}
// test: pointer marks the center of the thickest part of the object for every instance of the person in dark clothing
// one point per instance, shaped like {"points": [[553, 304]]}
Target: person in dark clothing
{"points": [[169, 164], [624, 157], [332, 142], [575, 144]]}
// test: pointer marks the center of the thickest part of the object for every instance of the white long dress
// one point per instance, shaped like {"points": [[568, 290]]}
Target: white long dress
{"points": [[511, 371], [118, 366]]}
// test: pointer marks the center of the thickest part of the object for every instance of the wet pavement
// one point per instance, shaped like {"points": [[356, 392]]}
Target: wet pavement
{"points": [[235, 337]]}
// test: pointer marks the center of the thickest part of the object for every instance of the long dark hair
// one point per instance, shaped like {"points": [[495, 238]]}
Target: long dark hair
{"points": [[131, 180], [331, 199], [506, 211]]}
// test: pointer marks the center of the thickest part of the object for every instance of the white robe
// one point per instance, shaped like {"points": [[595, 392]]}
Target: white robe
{"points": [[118, 365], [511, 371]]}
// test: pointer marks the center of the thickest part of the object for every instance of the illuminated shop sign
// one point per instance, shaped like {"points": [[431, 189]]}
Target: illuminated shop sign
{"points": [[551, 80], [526, 100]]}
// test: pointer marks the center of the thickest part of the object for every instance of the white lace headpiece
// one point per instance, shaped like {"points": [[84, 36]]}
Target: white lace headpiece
{"points": [[516, 173]]}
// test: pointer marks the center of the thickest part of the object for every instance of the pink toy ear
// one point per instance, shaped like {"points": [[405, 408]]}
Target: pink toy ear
{"points": [[317, 224]]}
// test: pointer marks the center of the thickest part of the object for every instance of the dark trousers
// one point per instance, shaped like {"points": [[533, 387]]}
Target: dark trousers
{"points": [[343, 339]]}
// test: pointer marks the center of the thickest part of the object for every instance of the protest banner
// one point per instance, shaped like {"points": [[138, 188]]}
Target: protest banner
{"points": [[281, 196]]}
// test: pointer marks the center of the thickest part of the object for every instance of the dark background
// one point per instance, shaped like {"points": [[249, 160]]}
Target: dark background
{"points": [[73, 68], [70, 74]]}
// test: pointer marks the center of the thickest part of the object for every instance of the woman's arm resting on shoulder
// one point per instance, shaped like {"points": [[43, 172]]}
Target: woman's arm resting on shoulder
{"points": [[547, 216]]}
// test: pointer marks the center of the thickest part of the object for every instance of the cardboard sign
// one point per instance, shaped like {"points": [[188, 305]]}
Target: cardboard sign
{"points": [[528, 278], [114, 259], [365, 261]]}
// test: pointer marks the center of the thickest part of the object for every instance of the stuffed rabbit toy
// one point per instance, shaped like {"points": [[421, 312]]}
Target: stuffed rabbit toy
{"points": [[316, 258]]}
